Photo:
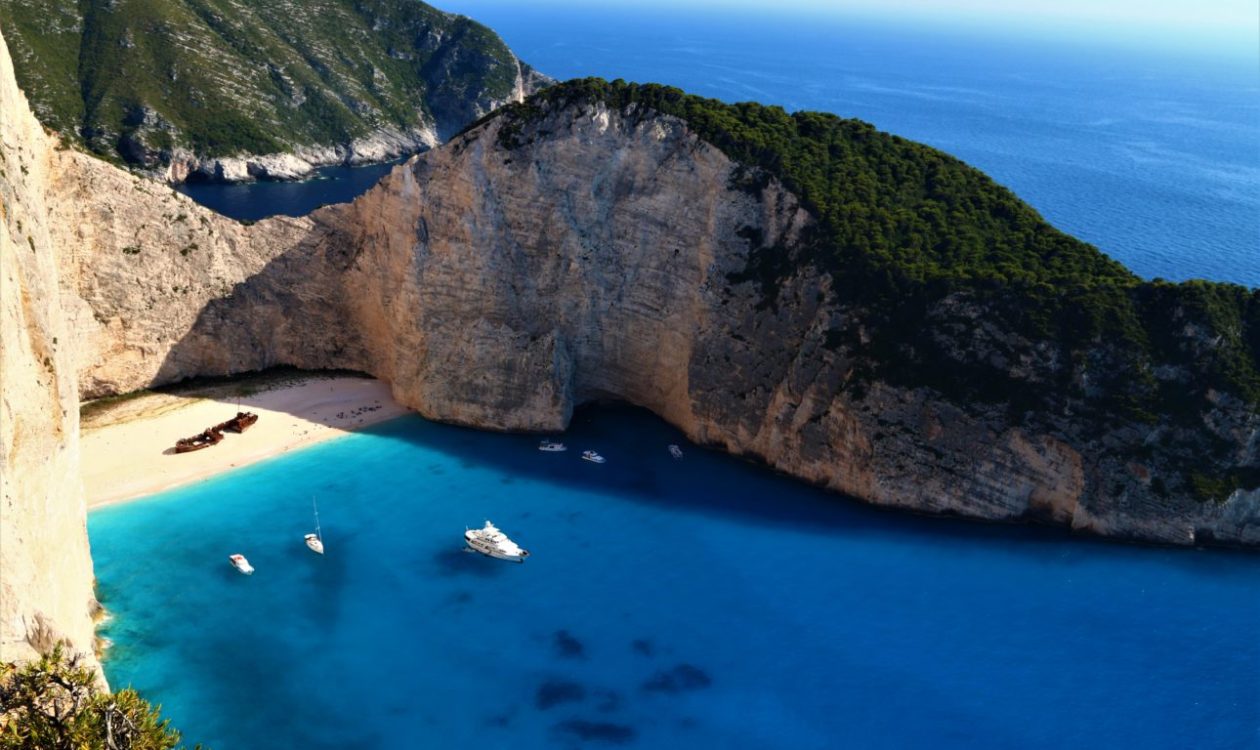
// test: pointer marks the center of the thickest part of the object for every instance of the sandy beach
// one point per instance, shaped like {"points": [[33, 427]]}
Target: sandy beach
{"points": [[128, 447]]}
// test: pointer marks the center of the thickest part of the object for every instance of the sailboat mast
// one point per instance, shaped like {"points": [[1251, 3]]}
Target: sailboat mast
{"points": [[318, 535]]}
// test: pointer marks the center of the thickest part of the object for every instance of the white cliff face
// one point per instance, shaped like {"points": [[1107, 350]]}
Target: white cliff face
{"points": [[571, 271], [139, 263], [45, 568]]}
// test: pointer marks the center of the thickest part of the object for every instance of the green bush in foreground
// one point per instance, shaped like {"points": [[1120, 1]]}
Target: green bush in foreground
{"points": [[55, 703]]}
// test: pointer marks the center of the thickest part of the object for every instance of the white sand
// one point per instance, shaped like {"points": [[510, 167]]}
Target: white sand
{"points": [[129, 452]]}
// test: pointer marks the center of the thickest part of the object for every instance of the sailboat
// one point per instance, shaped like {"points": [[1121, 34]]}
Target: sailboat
{"points": [[315, 541]]}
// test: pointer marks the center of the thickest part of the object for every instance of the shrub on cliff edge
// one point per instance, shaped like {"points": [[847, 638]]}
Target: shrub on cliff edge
{"points": [[55, 703]]}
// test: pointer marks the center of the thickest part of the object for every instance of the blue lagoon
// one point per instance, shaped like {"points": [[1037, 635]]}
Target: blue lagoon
{"points": [[697, 603]]}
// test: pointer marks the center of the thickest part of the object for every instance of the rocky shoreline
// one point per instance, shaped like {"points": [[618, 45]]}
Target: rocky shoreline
{"points": [[382, 146]]}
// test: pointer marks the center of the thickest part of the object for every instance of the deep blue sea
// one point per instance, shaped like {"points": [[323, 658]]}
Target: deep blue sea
{"points": [[1152, 156], [258, 200]]}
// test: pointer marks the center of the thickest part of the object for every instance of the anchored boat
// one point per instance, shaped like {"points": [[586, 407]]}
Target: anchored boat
{"points": [[315, 541], [675, 451], [550, 446], [593, 457], [491, 542], [241, 564]]}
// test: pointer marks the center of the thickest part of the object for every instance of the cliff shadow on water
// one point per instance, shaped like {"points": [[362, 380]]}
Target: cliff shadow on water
{"points": [[710, 483]]}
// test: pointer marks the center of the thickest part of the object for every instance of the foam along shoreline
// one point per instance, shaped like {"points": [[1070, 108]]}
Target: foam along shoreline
{"points": [[127, 449]]}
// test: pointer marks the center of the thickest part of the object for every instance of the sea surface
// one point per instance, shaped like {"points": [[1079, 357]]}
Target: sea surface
{"points": [[701, 603], [1152, 156], [258, 200]]}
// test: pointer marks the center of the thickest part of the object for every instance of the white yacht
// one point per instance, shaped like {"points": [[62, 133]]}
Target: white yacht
{"points": [[315, 542], [675, 451], [550, 446], [241, 564], [593, 457], [491, 542]]}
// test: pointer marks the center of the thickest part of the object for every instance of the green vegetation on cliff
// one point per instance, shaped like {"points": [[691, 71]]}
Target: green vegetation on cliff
{"points": [[55, 703], [134, 78]]}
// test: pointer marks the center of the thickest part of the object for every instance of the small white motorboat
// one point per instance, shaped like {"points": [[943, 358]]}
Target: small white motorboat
{"points": [[241, 564], [593, 457], [315, 541], [675, 451], [550, 446], [491, 542]]}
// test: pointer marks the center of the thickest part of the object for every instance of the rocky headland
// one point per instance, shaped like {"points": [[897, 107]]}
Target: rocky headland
{"points": [[224, 92]]}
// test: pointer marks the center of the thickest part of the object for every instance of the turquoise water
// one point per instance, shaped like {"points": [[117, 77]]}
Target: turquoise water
{"points": [[699, 603]]}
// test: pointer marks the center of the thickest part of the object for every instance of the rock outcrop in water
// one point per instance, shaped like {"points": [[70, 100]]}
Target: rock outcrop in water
{"points": [[568, 252]]}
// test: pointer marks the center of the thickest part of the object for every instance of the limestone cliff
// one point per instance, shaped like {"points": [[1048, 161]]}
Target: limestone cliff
{"points": [[499, 284], [45, 568]]}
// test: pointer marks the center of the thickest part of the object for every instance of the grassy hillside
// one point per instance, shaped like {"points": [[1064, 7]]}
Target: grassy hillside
{"points": [[954, 275], [132, 78]]}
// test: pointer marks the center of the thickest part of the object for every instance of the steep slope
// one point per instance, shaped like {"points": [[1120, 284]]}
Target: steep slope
{"points": [[45, 569], [225, 90], [589, 244]]}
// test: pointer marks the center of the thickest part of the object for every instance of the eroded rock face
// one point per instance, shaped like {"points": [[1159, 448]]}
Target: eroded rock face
{"points": [[605, 256], [45, 568], [141, 263], [587, 266], [382, 145]]}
